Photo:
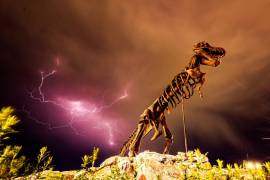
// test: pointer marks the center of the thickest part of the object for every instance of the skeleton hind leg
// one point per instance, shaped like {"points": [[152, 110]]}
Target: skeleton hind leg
{"points": [[135, 144], [168, 136]]}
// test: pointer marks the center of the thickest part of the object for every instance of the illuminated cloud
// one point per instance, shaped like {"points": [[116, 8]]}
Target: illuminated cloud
{"points": [[107, 48], [77, 111]]}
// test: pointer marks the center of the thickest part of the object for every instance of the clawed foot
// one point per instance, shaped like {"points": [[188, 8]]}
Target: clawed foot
{"points": [[166, 152], [131, 154], [167, 146], [156, 135]]}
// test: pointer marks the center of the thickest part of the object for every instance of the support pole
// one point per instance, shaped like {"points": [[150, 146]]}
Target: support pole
{"points": [[184, 126]]}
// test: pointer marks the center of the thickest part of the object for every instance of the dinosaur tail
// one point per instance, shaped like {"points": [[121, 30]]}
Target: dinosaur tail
{"points": [[127, 143]]}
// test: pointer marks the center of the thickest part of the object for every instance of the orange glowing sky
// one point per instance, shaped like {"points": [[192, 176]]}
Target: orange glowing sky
{"points": [[107, 48]]}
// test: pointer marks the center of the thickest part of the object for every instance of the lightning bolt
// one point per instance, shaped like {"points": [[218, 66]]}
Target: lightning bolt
{"points": [[75, 109], [41, 98]]}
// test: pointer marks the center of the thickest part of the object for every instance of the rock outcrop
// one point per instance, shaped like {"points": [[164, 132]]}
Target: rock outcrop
{"points": [[145, 166], [154, 166], [149, 165]]}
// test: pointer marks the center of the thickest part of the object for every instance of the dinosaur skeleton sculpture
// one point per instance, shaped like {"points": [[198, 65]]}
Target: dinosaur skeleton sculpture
{"points": [[181, 87]]}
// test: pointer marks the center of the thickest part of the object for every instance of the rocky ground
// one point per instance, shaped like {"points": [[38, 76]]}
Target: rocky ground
{"points": [[154, 166]]}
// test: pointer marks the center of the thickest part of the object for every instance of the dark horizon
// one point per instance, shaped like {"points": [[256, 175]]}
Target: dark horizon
{"points": [[109, 61]]}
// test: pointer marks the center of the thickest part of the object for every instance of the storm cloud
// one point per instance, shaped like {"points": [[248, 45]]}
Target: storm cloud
{"points": [[106, 47]]}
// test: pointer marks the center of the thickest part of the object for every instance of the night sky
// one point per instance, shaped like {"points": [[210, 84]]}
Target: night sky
{"points": [[79, 74]]}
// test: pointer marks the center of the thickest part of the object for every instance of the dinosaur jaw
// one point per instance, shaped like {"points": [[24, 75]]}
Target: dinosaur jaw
{"points": [[205, 49], [213, 52]]}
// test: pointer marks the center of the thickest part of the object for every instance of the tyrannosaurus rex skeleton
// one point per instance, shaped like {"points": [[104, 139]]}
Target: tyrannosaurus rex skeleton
{"points": [[181, 87]]}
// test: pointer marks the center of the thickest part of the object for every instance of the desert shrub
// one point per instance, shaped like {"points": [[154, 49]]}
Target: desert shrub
{"points": [[44, 160], [196, 166], [116, 174], [11, 162], [90, 159], [7, 121]]}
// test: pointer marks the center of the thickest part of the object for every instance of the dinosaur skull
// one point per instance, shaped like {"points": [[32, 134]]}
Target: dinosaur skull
{"points": [[205, 49]]}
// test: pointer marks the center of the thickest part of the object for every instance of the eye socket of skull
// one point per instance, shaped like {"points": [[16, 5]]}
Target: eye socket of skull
{"points": [[206, 50], [206, 44], [201, 44]]}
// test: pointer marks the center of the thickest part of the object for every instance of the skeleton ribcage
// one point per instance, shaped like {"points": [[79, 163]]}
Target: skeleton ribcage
{"points": [[181, 87]]}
